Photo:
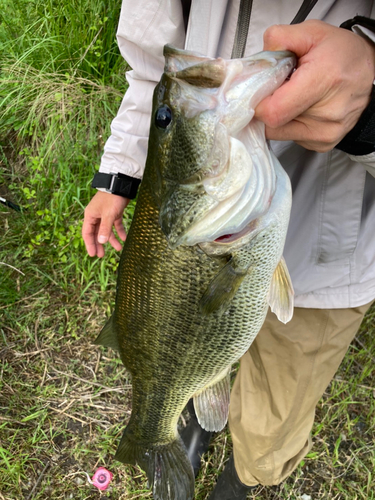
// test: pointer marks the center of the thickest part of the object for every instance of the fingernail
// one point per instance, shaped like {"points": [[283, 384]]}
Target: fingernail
{"points": [[102, 239]]}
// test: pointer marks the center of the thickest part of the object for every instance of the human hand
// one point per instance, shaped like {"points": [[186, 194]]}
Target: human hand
{"points": [[104, 211], [329, 90]]}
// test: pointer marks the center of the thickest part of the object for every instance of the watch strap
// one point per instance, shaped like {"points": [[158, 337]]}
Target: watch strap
{"points": [[366, 22], [119, 184]]}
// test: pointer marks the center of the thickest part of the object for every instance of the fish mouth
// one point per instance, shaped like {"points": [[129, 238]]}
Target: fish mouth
{"points": [[227, 239], [224, 238], [227, 243], [225, 205]]}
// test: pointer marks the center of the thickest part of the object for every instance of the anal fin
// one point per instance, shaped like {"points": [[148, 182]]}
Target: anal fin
{"points": [[211, 404], [107, 337], [281, 298]]}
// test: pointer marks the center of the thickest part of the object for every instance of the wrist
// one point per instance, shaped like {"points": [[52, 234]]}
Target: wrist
{"points": [[116, 183], [361, 139]]}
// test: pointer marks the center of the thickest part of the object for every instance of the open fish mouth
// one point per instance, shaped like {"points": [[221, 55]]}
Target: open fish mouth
{"points": [[231, 237], [253, 182], [236, 182]]}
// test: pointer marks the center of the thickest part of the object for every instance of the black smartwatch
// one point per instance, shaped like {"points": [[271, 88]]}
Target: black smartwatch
{"points": [[119, 184]]}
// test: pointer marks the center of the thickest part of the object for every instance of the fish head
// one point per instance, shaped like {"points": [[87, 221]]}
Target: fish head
{"points": [[182, 125], [213, 175]]}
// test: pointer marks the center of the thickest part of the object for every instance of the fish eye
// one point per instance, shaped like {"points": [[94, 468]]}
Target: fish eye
{"points": [[163, 117]]}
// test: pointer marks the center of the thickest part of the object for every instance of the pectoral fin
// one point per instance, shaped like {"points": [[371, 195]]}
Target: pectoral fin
{"points": [[212, 403], [281, 299], [222, 289], [107, 337]]}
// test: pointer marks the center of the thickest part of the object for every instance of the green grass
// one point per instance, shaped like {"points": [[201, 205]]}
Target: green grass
{"points": [[76, 37], [63, 401]]}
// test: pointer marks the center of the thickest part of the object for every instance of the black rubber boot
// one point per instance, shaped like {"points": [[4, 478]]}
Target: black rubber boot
{"points": [[195, 439], [229, 486]]}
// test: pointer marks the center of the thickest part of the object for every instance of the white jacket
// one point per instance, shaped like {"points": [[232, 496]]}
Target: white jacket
{"points": [[330, 247]]}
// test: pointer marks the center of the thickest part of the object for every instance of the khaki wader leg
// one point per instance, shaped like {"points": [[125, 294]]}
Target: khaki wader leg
{"points": [[280, 381]]}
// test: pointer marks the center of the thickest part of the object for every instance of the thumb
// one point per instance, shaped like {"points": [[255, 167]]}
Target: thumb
{"points": [[298, 38], [306, 85]]}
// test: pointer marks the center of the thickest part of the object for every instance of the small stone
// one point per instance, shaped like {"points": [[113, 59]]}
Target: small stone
{"points": [[27, 486], [78, 480], [305, 497]]}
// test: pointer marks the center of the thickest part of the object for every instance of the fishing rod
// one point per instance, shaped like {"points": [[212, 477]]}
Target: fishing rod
{"points": [[10, 204]]}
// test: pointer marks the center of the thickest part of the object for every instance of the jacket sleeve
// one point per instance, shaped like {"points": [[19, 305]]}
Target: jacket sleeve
{"points": [[368, 161], [359, 143], [144, 28]]}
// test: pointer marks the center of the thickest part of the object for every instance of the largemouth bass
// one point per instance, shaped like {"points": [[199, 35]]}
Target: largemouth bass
{"points": [[203, 258]]}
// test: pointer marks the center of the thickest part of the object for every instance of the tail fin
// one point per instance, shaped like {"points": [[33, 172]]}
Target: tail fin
{"points": [[168, 468]]}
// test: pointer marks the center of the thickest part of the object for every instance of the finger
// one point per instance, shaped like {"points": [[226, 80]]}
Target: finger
{"points": [[298, 38], [105, 230], [315, 137], [292, 131], [300, 93], [119, 226], [308, 84], [99, 248], [89, 230], [114, 242]]}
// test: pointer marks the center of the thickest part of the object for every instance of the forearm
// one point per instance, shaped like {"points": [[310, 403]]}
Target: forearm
{"points": [[126, 149], [144, 29]]}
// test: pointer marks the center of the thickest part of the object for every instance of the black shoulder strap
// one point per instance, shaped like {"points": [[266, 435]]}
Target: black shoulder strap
{"points": [[304, 11], [243, 23], [186, 4]]}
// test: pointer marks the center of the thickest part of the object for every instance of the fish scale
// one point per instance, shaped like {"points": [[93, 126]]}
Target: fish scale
{"points": [[188, 160], [185, 312]]}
